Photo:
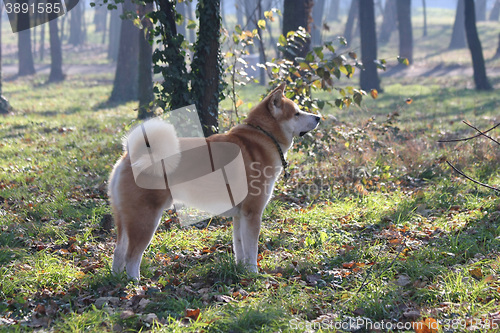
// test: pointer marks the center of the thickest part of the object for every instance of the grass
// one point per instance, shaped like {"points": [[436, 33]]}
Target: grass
{"points": [[372, 225]]}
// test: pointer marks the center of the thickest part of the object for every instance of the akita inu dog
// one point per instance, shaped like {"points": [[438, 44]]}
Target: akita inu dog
{"points": [[263, 139]]}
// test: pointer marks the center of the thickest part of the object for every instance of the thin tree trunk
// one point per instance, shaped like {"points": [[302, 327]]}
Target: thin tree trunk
{"points": [[114, 33], [317, 23], [26, 64], [403, 8], [369, 76], [476, 50], [125, 83], [56, 73], [239, 12], [4, 104], [332, 13], [75, 31], [389, 23], [351, 19], [145, 89], [297, 13], [424, 34], [181, 9], [480, 10], [458, 40], [495, 11], [206, 87], [192, 37]]}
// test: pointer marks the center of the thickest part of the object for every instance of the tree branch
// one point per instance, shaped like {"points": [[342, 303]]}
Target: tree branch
{"points": [[472, 137], [482, 133], [472, 180]]}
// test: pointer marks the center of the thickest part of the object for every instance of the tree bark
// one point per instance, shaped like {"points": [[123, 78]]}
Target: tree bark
{"points": [[317, 21], [403, 8], [369, 76], [206, 84], [26, 64], [297, 13], [145, 89], [495, 11], [351, 19], [125, 83], [389, 23], [458, 40], [56, 73], [476, 50]]}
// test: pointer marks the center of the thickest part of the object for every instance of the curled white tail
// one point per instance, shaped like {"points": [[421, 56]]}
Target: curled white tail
{"points": [[151, 143]]}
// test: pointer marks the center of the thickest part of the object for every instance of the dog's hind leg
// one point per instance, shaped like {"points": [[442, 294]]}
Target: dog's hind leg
{"points": [[237, 245], [139, 231], [249, 232], [121, 246]]}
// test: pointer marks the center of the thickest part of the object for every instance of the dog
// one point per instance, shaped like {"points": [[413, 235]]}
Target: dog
{"points": [[263, 140]]}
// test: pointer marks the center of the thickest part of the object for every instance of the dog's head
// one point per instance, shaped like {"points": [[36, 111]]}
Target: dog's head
{"points": [[292, 120]]}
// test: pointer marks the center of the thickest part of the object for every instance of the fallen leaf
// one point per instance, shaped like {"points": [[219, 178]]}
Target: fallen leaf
{"points": [[192, 313]]}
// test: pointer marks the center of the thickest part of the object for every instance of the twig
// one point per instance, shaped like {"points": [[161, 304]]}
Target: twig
{"points": [[482, 133], [472, 180], [472, 137]]}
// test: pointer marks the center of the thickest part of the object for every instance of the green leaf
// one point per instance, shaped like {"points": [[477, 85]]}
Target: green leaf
{"points": [[282, 40], [403, 61], [319, 52], [191, 24], [309, 57], [237, 28]]}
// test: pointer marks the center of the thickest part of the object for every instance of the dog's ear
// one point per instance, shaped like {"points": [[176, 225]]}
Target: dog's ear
{"points": [[275, 101]]}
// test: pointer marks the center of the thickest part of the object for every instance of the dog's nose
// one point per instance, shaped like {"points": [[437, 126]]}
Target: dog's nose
{"points": [[317, 119]]}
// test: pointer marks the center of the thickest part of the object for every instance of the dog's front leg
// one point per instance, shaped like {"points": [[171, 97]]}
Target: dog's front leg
{"points": [[237, 244], [249, 233]]}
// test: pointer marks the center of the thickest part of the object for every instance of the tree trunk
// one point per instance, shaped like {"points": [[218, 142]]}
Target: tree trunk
{"points": [[4, 104], [125, 84], [389, 23], [297, 13], [181, 9], [100, 17], [145, 89], [424, 5], [476, 50], [458, 40], [56, 73], [351, 19], [115, 24], [192, 37], [497, 53], [26, 64], [495, 11], [480, 10], [369, 76], [317, 23], [239, 12], [206, 84], [42, 42], [332, 12], [403, 8], [75, 26]]}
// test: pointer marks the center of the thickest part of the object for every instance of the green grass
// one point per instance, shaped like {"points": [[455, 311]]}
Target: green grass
{"points": [[373, 224]]}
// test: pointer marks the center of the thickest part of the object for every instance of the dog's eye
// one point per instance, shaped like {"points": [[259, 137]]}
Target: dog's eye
{"points": [[297, 114]]}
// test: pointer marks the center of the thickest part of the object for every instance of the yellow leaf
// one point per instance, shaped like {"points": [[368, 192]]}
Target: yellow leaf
{"points": [[261, 24], [409, 101], [374, 93], [476, 273], [239, 103]]}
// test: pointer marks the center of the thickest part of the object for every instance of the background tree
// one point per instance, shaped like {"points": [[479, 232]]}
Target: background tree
{"points": [[480, 10], [145, 77], [476, 50], [389, 22], [4, 104], [424, 8], [26, 64], [369, 76], [495, 11], [403, 9], [76, 25], [56, 59], [332, 11], [126, 74], [317, 21], [297, 13], [115, 24], [458, 34], [351, 20]]}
